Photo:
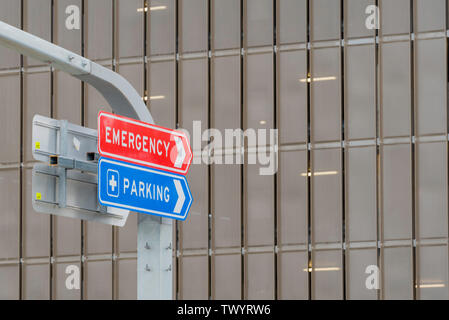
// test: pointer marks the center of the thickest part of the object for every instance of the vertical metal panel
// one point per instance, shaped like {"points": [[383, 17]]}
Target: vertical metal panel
{"points": [[194, 231], [36, 100], [127, 279], [430, 17], [293, 276], [226, 24], [292, 109], [357, 262], [360, 90], [162, 93], [162, 26], [433, 273], [397, 273], [260, 276], [325, 94], [292, 23], [9, 226], [259, 27], [325, 20], [397, 197], [9, 278], [326, 196], [226, 277], [98, 280], [67, 97], [361, 194], [60, 290], [431, 86], [327, 275], [395, 16], [194, 283], [355, 18], [35, 226], [37, 20], [431, 185], [130, 27], [36, 281], [98, 238], [396, 89], [226, 208], [226, 93], [259, 191], [10, 12], [259, 91], [193, 25], [293, 198], [63, 36], [127, 235], [10, 119], [98, 34]]}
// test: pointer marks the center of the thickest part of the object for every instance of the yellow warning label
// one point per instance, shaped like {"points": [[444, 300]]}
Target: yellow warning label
{"points": [[38, 196], [38, 145]]}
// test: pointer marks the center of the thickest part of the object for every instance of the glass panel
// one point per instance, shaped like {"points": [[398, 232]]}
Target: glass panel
{"points": [[127, 235], [98, 40], [10, 13], [68, 39], [226, 188], [9, 214], [433, 273], [37, 21], [325, 20], [395, 16], [327, 275], [361, 194], [162, 93], [326, 196], [259, 17], [94, 103], [260, 276], [194, 19], [66, 236], [431, 86], [292, 97], [98, 280], [9, 278], [36, 226], [67, 97], [293, 276], [162, 26], [10, 119], [226, 24], [397, 274], [430, 15], [193, 278], [98, 239], [396, 89], [397, 194], [60, 291], [356, 18], [292, 22], [359, 260], [130, 26], [36, 282], [432, 190], [361, 92], [260, 207], [325, 94], [227, 277], [292, 197]]}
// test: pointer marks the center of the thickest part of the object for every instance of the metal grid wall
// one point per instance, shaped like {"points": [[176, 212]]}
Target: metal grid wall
{"points": [[363, 168]]}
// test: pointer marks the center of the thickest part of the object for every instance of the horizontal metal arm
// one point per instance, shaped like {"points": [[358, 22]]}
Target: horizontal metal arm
{"points": [[119, 93]]}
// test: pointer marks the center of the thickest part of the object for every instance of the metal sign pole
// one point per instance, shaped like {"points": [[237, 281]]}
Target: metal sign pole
{"points": [[154, 243]]}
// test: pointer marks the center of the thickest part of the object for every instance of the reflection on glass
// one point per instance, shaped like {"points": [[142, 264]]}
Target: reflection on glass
{"points": [[321, 269], [155, 8], [320, 173], [318, 79]]}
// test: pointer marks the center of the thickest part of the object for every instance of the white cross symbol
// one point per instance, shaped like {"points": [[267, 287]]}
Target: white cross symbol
{"points": [[113, 183]]}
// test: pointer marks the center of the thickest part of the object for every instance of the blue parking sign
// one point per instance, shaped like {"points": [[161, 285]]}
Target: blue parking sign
{"points": [[141, 189]]}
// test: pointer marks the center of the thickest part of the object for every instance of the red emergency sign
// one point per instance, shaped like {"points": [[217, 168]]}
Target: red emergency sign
{"points": [[141, 143]]}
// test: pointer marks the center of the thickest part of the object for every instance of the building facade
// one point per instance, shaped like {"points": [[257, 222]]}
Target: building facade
{"points": [[357, 90]]}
